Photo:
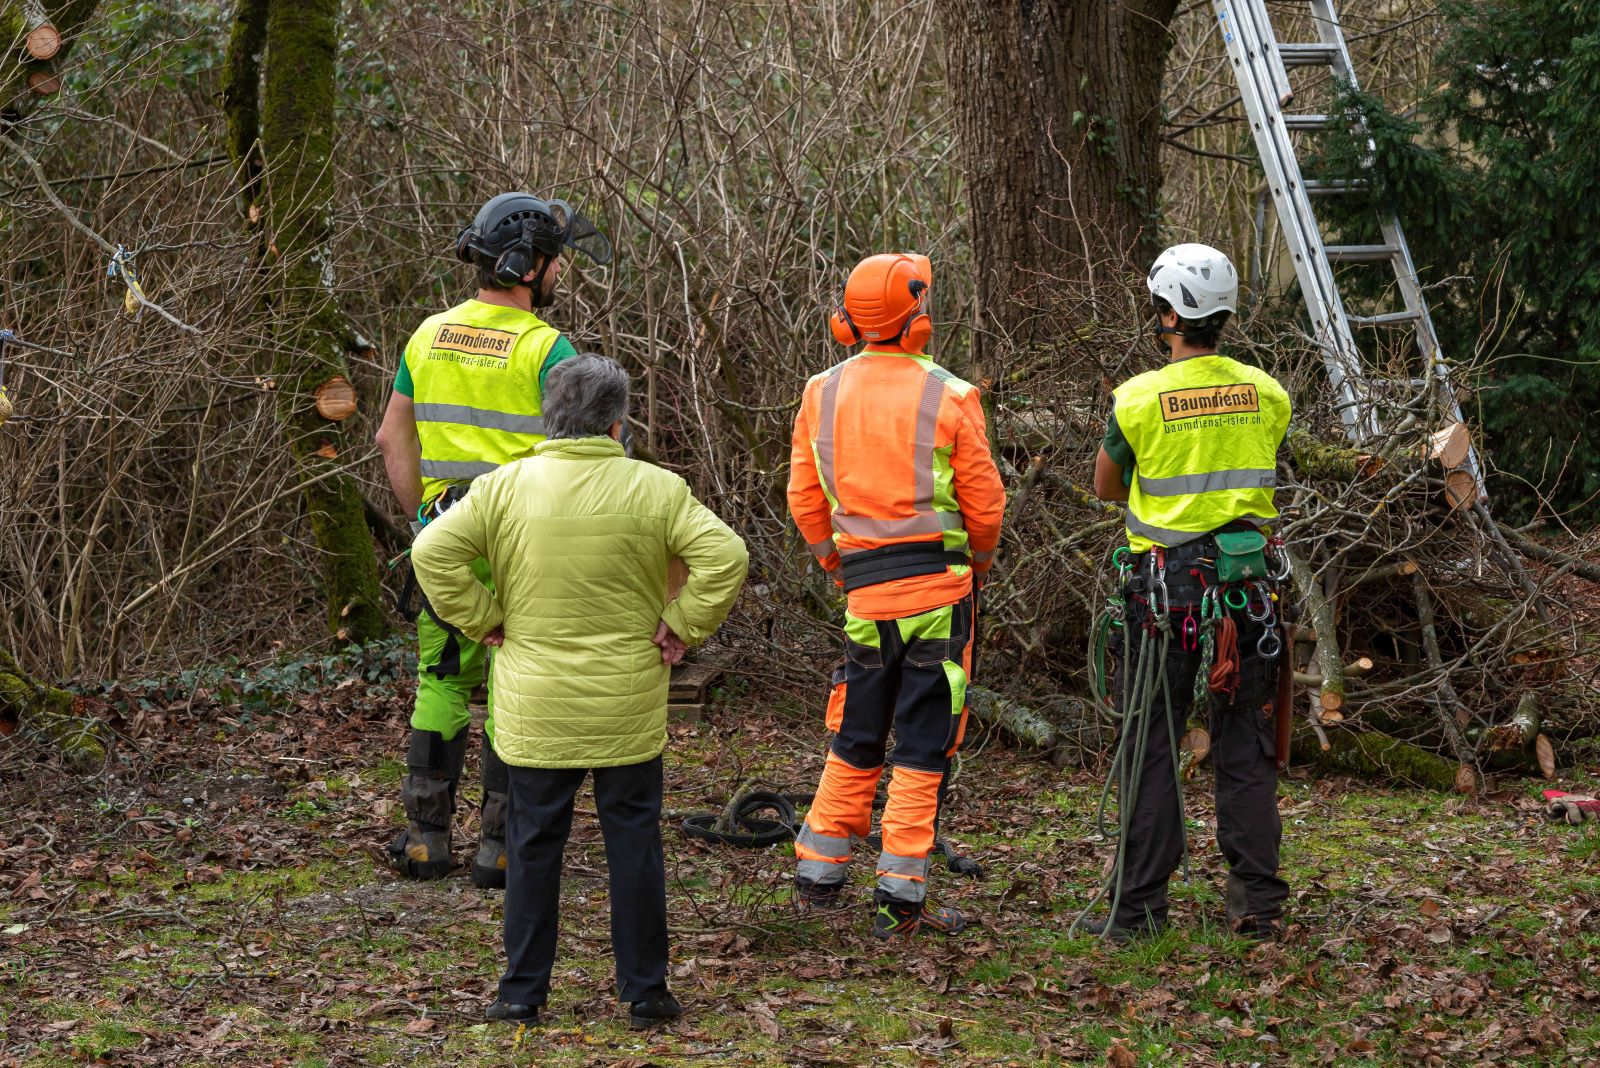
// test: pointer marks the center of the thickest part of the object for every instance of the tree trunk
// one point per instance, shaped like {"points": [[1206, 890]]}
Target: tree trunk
{"points": [[24, 78], [1058, 115], [241, 99], [297, 130], [48, 713]]}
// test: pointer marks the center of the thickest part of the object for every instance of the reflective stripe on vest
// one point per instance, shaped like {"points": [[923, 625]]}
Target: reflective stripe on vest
{"points": [[929, 522], [455, 469], [1245, 478], [486, 418]]}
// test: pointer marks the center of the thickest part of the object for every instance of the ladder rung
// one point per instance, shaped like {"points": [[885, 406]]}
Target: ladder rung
{"points": [[1307, 55], [1306, 122], [1386, 319], [1360, 253], [1336, 185]]}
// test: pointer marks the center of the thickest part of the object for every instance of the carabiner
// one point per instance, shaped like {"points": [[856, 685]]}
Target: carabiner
{"points": [[1158, 591], [1267, 611]]}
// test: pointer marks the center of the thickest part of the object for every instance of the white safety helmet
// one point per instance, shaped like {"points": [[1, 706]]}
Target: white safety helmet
{"points": [[1197, 280]]}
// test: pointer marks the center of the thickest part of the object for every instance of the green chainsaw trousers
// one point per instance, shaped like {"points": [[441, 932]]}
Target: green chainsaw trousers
{"points": [[450, 666]]}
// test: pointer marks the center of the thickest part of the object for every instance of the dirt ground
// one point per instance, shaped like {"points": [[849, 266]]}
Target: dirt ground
{"points": [[217, 895]]}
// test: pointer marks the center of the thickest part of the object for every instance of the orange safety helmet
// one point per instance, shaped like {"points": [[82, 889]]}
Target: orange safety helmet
{"points": [[885, 301]]}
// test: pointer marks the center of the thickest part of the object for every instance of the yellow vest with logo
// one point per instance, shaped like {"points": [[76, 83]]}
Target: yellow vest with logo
{"points": [[1205, 433], [475, 377]]}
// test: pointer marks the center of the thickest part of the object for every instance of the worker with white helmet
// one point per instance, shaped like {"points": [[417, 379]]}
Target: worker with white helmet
{"points": [[1191, 447]]}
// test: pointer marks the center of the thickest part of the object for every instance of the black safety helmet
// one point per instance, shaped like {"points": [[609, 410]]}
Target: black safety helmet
{"points": [[512, 228]]}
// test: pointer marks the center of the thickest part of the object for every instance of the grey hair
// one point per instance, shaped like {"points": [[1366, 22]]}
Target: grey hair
{"points": [[583, 396]]}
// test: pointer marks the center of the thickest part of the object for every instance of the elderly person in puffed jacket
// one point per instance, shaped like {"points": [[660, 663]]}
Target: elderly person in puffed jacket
{"points": [[578, 538]]}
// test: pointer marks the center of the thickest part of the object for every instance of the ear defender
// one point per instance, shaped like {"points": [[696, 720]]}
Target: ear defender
{"points": [[463, 249], [513, 263], [844, 328], [914, 336]]}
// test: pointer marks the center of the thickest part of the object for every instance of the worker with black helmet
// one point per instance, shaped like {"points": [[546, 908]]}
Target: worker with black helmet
{"points": [[467, 399]]}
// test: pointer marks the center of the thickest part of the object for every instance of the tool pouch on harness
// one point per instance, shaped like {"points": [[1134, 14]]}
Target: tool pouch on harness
{"points": [[427, 514], [873, 566], [1241, 556]]}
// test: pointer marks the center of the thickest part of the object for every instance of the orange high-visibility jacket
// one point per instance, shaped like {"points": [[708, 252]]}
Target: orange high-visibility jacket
{"points": [[891, 448]]}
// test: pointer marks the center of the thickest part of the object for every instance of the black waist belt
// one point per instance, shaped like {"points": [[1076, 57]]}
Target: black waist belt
{"points": [[1190, 552], [873, 566]]}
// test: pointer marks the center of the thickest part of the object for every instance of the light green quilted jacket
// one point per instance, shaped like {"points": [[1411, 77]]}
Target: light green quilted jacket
{"points": [[578, 537]]}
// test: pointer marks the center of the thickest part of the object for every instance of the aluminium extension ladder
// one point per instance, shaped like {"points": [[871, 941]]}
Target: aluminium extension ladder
{"points": [[1260, 65]]}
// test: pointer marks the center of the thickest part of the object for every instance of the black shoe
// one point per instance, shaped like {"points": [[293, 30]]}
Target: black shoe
{"points": [[810, 897], [893, 919], [1104, 928], [489, 865], [1258, 928], [663, 1009], [527, 1015]]}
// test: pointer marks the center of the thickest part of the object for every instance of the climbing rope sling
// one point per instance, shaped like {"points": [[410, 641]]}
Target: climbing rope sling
{"points": [[1146, 663], [1147, 692]]}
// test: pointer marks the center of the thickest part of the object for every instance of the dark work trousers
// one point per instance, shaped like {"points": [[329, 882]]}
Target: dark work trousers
{"points": [[1249, 829], [628, 799]]}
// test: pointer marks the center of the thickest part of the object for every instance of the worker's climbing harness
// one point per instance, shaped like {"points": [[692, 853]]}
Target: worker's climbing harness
{"points": [[1207, 628]]}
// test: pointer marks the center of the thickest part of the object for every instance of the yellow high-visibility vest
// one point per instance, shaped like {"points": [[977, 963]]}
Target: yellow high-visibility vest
{"points": [[475, 376], [1205, 433]]}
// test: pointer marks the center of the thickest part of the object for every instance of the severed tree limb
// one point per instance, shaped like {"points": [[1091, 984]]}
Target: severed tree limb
{"points": [[49, 713], [1579, 567], [1325, 653], [1448, 704], [1372, 755], [1512, 561], [1018, 720]]}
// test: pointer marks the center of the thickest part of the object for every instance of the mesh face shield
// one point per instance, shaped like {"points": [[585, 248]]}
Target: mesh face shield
{"points": [[575, 231]]}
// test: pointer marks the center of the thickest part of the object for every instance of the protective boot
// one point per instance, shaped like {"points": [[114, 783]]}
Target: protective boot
{"points": [[893, 918], [428, 792], [1245, 924], [489, 865], [813, 897]]}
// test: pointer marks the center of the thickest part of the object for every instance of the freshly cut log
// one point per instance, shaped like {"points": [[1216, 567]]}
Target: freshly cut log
{"points": [[336, 399], [43, 42], [44, 82], [1517, 744], [1449, 446], [1460, 490]]}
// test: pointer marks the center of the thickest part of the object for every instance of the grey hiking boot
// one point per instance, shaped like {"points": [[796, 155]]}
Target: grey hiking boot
{"points": [[428, 792], [489, 865]]}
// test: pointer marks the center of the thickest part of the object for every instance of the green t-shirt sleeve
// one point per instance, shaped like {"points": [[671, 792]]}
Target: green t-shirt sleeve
{"points": [[561, 350], [1117, 447], [402, 380]]}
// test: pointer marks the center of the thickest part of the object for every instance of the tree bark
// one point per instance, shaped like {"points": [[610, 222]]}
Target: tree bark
{"points": [[1058, 115], [21, 75], [241, 99], [297, 133], [48, 713]]}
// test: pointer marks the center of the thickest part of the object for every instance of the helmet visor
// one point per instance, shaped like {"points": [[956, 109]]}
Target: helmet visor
{"points": [[577, 232]]}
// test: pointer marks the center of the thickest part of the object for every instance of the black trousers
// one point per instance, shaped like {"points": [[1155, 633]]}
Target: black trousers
{"points": [[1249, 829], [538, 822]]}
